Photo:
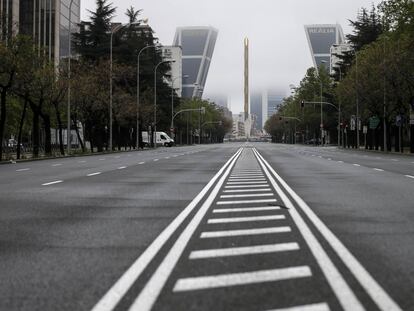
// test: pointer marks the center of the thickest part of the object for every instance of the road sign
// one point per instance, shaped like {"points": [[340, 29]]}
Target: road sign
{"points": [[374, 122]]}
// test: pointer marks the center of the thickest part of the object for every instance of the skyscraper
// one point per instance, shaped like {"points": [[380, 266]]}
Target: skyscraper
{"points": [[320, 39], [46, 21], [198, 46], [271, 102]]}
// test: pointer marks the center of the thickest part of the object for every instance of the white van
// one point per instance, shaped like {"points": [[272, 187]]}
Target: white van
{"points": [[162, 139]]}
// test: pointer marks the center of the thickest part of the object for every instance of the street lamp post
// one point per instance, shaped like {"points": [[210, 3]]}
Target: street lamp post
{"points": [[68, 142], [138, 91], [155, 98], [320, 79], [357, 99]]}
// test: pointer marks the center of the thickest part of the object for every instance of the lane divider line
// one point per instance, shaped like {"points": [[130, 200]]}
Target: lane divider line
{"points": [[94, 174], [112, 297], [52, 183], [344, 294]]}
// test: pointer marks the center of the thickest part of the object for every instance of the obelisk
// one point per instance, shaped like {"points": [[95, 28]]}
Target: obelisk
{"points": [[246, 78]]}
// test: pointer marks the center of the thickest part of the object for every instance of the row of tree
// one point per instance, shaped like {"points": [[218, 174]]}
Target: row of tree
{"points": [[374, 80], [34, 92]]}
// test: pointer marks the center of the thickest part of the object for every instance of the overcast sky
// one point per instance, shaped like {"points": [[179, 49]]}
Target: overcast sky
{"points": [[278, 45]]}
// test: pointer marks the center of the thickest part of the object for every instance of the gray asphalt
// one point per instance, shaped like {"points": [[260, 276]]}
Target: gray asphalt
{"points": [[64, 245]]}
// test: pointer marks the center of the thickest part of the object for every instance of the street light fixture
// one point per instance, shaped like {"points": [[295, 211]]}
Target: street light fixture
{"points": [[155, 98], [138, 90]]}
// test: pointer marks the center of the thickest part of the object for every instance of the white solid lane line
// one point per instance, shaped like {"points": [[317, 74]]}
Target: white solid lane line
{"points": [[245, 219], [121, 167], [246, 201], [94, 174], [409, 176], [244, 232], [244, 250], [152, 289], [247, 190], [346, 297], [244, 186], [250, 195], [52, 183], [23, 169], [313, 307], [244, 278], [246, 209], [378, 169]]}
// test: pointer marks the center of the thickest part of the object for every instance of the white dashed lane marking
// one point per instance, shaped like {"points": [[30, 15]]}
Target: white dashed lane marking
{"points": [[94, 174], [23, 169], [52, 183]]}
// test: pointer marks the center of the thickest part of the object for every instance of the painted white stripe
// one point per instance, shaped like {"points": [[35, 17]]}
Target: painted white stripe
{"points": [[155, 160], [23, 169], [52, 183], [140, 163], [57, 164], [356, 164], [409, 176], [244, 219], [82, 161], [345, 296], [251, 195], [101, 159], [244, 250], [395, 160], [152, 289], [378, 169], [244, 278], [340, 161], [246, 175], [313, 307], [246, 201], [247, 190], [246, 182], [94, 174], [167, 158], [245, 186], [244, 232], [246, 209], [121, 167], [246, 179]]}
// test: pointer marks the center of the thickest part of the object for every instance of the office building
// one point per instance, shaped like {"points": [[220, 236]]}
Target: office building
{"points": [[320, 39], [271, 101], [256, 110], [197, 47], [176, 74], [46, 21]]}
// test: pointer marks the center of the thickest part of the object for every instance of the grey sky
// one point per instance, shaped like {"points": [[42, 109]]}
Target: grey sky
{"points": [[278, 46]]}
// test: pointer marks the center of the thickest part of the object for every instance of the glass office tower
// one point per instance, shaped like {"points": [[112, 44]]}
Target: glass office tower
{"points": [[320, 39], [198, 46]]}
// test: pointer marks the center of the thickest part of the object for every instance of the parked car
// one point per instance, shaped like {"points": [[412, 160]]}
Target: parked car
{"points": [[162, 139]]}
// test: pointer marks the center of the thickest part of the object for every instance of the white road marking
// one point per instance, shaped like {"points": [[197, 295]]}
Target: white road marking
{"points": [[121, 167], [247, 182], [346, 297], [409, 176], [378, 169], [244, 232], [23, 169], [329, 159], [246, 209], [83, 161], [167, 158], [313, 307], [245, 219], [250, 195], [246, 179], [155, 160], [244, 250], [57, 164], [244, 278], [140, 163], [94, 174], [52, 183], [320, 157], [245, 186], [102, 159], [146, 299], [356, 164], [246, 190], [340, 161], [247, 175], [395, 160], [246, 201]]}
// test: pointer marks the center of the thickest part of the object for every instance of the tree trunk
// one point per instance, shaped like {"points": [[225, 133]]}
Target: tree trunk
{"points": [[75, 125], [60, 128], [48, 135], [19, 136], [412, 138], [2, 119], [36, 136]]}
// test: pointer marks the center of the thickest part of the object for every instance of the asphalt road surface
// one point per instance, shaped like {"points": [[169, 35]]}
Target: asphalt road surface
{"points": [[220, 227]]}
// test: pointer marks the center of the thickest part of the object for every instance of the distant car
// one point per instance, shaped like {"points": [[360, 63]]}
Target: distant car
{"points": [[313, 141]]}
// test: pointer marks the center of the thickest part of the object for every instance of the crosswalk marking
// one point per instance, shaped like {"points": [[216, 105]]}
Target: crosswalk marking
{"points": [[246, 201], [246, 209], [246, 179], [244, 232], [244, 278], [250, 195], [244, 186], [245, 219], [245, 250], [246, 182], [247, 190]]}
